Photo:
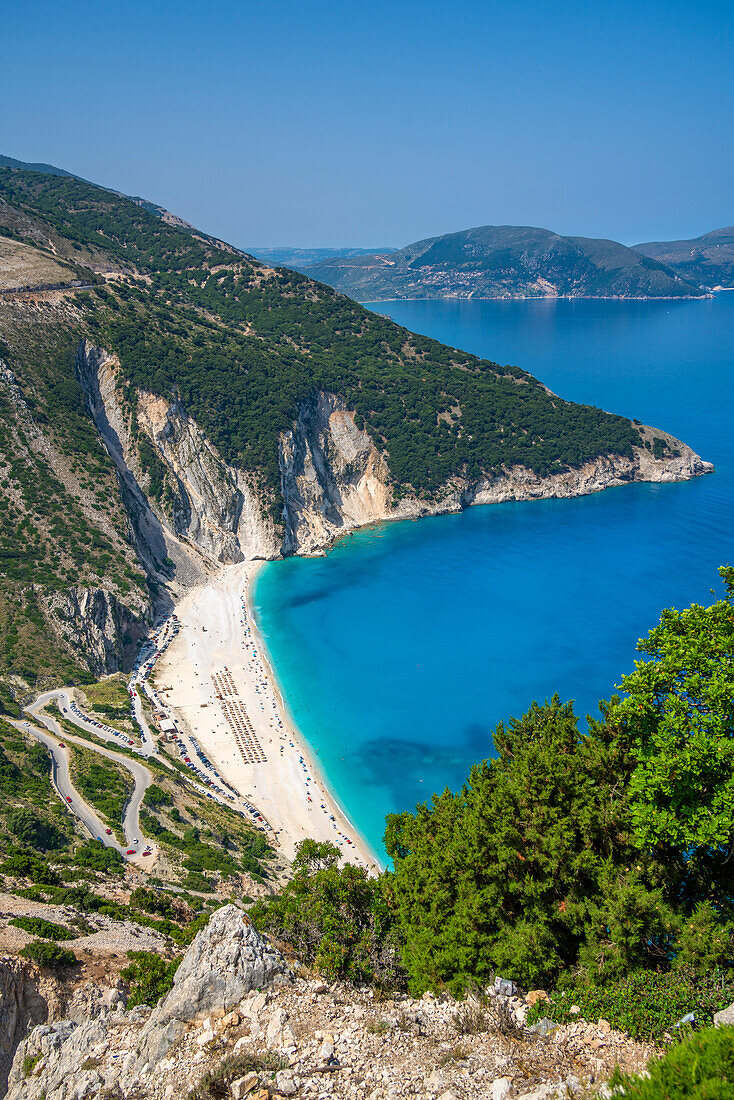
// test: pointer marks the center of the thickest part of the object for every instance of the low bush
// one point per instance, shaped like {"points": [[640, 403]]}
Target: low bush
{"points": [[700, 1068], [96, 856], [337, 919], [645, 1004], [37, 926], [28, 828], [49, 955], [29, 865], [216, 1081], [150, 977], [155, 796]]}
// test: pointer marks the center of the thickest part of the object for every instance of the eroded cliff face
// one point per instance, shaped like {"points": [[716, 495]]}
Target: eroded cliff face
{"points": [[95, 622], [207, 513], [333, 478]]}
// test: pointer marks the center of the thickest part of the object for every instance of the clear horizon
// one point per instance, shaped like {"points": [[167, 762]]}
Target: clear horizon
{"points": [[320, 126]]}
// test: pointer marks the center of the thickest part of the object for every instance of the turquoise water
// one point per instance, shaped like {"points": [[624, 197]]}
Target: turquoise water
{"points": [[400, 651]]}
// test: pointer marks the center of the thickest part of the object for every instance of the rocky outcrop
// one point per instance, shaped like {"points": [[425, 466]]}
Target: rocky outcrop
{"points": [[22, 1005], [227, 959], [206, 511], [109, 1051], [304, 1038], [335, 480], [94, 622]]}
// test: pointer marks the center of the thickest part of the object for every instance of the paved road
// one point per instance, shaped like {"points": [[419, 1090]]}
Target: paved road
{"points": [[61, 781], [131, 814], [63, 698]]}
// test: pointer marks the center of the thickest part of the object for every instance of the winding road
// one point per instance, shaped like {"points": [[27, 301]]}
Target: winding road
{"points": [[84, 812]]}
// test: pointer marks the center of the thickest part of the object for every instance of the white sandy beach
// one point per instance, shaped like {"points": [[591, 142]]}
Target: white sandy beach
{"points": [[216, 678]]}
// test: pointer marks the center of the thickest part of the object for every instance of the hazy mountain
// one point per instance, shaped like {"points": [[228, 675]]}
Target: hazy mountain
{"points": [[707, 260], [504, 261], [302, 258]]}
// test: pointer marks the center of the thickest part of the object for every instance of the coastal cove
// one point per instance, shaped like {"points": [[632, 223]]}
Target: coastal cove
{"points": [[399, 652]]}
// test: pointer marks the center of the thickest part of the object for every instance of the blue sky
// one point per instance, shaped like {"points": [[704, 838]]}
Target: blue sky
{"points": [[319, 123]]}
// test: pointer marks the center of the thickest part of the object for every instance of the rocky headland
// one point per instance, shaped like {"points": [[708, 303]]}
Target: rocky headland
{"points": [[242, 1021]]}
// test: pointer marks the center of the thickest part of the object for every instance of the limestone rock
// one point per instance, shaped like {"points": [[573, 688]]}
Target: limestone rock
{"points": [[243, 1086], [501, 1088], [724, 1018]]}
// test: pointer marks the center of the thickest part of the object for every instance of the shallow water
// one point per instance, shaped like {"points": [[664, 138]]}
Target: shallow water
{"points": [[400, 651]]}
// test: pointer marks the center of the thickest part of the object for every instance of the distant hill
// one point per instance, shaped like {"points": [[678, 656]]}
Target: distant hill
{"points": [[28, 166], [707, 260], [495, 261], [301, 258]]}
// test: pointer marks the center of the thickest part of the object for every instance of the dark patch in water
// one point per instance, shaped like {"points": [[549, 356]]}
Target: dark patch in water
{"points": [[412, 772]]}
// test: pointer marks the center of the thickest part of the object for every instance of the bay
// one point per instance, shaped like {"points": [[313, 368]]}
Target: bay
{"points": [[400, 651]]}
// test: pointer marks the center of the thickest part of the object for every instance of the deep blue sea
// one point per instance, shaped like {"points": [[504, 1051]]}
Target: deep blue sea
{"points": [[400, 651]]}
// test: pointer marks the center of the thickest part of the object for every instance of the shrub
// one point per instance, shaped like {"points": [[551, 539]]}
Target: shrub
{"points": [[29, 865], [645, 1004], [49, 955], [30, 1062], [37, 926], [150, 976], [215, 1082], [155, 796], [337, 919], [29, 828], [701, 1068], [98, 857]]}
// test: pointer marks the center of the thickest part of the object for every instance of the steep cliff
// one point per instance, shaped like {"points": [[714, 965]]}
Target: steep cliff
{"points": [[185, 503], [335, 480]]}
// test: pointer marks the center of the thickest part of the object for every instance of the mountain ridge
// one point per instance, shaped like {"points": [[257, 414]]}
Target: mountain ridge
{"points": [[504, 261], [193, 407], [708, 259]]}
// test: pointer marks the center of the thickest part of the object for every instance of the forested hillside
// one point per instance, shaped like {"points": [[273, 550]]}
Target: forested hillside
{"points": [[243, 344], [512, 261], [240, 347], [707, 260]]}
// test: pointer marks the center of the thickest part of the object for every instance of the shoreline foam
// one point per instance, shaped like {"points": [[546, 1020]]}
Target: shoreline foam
{"points": [[219, 632]]}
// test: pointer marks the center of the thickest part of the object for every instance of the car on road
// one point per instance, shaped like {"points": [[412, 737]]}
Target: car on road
{"points": [[68, 798], [62, 745], [109, 832]]}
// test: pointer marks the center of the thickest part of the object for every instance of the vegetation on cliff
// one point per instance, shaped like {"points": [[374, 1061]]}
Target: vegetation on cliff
{"points": [[242, 346], [573, 860]]}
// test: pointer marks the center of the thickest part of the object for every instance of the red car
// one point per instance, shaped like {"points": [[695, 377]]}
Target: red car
{"points": [[109, 832], [130, 852], [62, 745], [68, 798]]}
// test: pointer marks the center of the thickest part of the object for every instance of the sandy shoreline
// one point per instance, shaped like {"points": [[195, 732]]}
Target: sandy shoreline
{"points": [[217, 679]]}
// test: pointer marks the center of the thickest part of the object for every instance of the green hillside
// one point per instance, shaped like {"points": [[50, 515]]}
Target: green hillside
{"points": [[512, 261], [241, 345], [244, 344], [707, 260]]}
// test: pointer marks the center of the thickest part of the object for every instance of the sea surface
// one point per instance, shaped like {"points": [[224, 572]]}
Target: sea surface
{"points": [[400, 651]]}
